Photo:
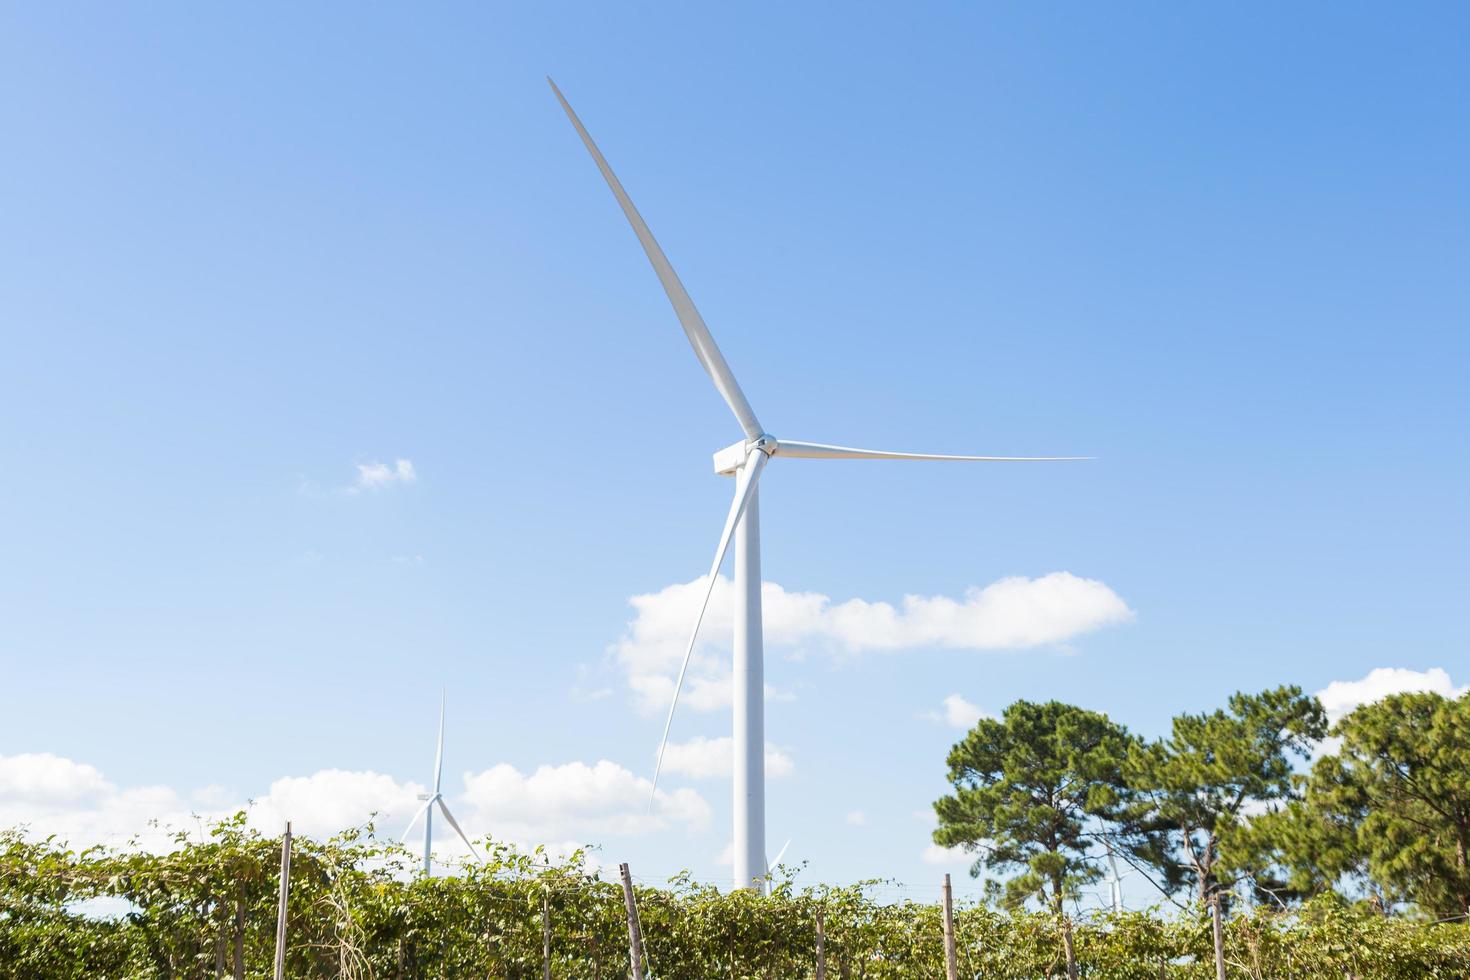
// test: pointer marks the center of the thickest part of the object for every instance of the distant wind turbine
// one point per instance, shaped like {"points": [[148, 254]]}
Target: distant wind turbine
{"points": [[744, 460], [773, 865], [427, 810], [1115, 880]]}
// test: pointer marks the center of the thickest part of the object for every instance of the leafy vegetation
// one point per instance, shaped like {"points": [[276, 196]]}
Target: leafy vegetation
{"points": [[1354, 870], [1217, 808], [1029, 788], [207, 909]]}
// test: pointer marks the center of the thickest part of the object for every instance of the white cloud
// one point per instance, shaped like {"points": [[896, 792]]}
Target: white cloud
{"points": [[332, 800], [704, 758], [958, 713], [376, 476], [857, 818], [1012, 613], [554, 805], [51, 795], [1341, 697], [577, 800], [50, 779]]}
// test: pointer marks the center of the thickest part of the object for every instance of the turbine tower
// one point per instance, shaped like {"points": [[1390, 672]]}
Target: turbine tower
{"points": [[427, 810], [744, 460], [1115, 880]]}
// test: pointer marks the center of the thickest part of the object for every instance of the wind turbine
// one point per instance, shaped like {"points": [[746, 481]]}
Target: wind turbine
{"points": [[744, 460], [773, 865], [1115, 880], [427, 810]]}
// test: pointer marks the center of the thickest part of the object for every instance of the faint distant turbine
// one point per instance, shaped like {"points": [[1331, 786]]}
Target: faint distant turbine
{"points": [[427, 810], [1115, 880], [744, 461]]}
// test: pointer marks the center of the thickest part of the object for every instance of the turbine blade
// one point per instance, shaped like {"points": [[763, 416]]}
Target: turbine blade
{"points": [[439, 752], [779, 855], [444, 809], [419, 813], [817, 450], [745, 483], [699, 336]]}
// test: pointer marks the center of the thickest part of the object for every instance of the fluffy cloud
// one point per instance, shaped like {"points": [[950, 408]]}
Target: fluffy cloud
{"points": [[1010, 614], [555, 805], [577, 800], [703, 758], [376, 476], [331, 800], [857, 818], [957, 712], [49, 779], [1341, 697]]}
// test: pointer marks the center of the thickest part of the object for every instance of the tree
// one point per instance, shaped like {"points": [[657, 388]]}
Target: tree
{"points": [[1300, 851], [1031, 791], [1401, 781], [1213, 769]]}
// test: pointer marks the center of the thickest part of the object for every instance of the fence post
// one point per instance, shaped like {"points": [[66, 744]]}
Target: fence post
{"points": [[635, 934], [546, 934], [821, 945], [1218, 930], [951, 958], [280, 971], [238, 959]]}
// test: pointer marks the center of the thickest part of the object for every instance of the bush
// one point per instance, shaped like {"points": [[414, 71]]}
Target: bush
{"points": [[207, 909]]}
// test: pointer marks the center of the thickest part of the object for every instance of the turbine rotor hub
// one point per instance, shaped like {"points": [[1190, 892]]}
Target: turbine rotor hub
{"points": [[729, 460]]}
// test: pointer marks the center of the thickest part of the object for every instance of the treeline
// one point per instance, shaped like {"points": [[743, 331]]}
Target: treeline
{"points": [[1256, 805], [208, 910]]}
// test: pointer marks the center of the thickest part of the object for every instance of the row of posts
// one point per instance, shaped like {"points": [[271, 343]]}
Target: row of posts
{"points": [[637, 952]]}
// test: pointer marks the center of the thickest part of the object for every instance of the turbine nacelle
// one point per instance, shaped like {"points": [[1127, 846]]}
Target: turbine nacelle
{"points": [[729, 460]]}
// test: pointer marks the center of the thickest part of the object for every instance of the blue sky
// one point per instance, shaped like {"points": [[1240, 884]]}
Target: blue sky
{"points": [[245, 253]]}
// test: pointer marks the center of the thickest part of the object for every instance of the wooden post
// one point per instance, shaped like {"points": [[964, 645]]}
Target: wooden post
{"points": [[1218, 930], [951, 957], [546, 934], [280, 972], [635, 934], [238, 962], [220, 942], [821, 945]]}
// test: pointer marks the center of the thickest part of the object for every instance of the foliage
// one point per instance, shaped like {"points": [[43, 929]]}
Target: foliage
{"points": [[1213, 768], [358, 911], [1200, 782], [1216, 805], [1029, 789], [1391, 807]]}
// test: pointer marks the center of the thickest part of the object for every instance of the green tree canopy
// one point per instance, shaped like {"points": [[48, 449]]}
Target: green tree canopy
{"points": [[1209, 772], [1401, 781], [1031, 792], [1214, 768]]}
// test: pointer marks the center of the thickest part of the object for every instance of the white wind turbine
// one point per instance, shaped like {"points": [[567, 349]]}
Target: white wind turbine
{"points": [[743, 460], [427, 810], [1115, 880]]}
